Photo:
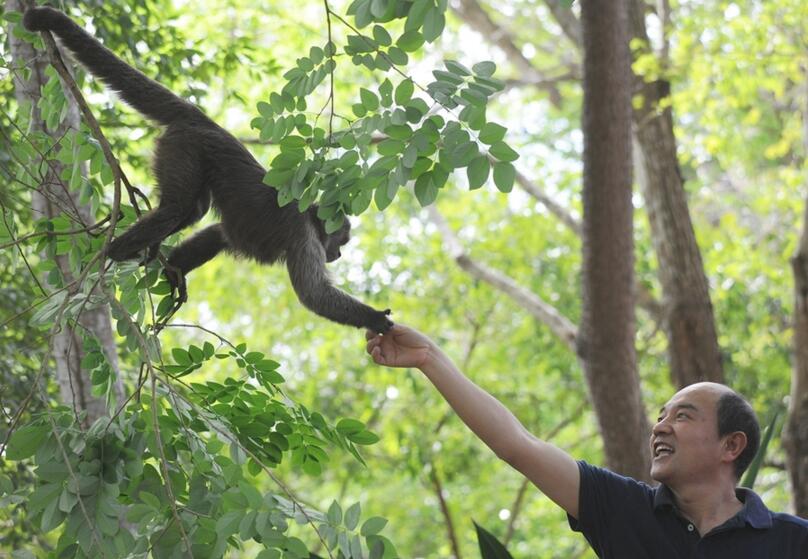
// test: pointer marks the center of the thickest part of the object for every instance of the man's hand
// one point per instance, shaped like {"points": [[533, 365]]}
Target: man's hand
{"points": [[401, 346]]}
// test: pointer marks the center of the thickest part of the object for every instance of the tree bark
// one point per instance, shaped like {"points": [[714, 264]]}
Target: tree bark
{"points": [[795, 438], [693, 351], [50, 200], [606, 337]]}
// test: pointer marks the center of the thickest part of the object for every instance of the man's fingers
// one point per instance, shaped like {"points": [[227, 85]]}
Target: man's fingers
{"points": [[376, 354]]}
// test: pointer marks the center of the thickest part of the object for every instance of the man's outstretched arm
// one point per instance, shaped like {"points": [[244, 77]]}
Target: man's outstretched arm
{"points": [[551, 469]]}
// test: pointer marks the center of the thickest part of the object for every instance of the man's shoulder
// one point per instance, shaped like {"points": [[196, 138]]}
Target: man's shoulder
{"points": [[790, 521], [595, 476]]}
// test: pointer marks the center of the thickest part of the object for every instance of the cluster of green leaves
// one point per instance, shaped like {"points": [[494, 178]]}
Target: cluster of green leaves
{"points": [[396, 138], [179, 471], [160, 466], [337, 532]]}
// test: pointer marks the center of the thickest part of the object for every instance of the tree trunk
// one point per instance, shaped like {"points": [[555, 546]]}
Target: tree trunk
{"points": [[74, 387], [606, 339], [796, 431], [693, 351]]}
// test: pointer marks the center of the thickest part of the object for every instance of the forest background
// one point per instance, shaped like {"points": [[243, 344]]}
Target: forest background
{"points": [[504, 277]]}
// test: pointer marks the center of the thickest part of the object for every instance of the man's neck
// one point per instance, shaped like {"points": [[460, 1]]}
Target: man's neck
{"points": [[707, 506]]}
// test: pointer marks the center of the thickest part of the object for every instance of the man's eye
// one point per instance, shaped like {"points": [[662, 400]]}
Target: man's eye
{"points": [[681, 415]]}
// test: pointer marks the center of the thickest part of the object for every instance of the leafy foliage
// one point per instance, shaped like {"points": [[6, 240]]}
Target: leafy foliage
{"points": [[396, 138]]}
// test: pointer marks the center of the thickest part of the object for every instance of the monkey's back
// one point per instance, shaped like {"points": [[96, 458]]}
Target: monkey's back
{"points": [[255, 225]]}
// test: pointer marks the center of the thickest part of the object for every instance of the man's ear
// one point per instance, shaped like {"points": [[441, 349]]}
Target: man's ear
{"points": [[734, 444]]}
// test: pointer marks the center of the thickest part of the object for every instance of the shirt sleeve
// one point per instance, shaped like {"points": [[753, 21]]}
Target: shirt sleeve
{"points": [[605, 498]]}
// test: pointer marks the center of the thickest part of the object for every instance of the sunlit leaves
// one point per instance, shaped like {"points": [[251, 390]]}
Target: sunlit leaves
{"points": [[416, 149]]}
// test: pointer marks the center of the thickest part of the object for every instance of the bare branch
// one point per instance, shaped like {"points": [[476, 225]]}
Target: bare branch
{"points": [[532, 303], [567, 21], [477, 18]]}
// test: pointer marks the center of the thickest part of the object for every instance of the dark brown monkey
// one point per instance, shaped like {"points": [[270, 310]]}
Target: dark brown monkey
{"points": [[197, 162]]}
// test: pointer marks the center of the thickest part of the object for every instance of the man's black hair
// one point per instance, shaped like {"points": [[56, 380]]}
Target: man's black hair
{"points": [[736, 414]]}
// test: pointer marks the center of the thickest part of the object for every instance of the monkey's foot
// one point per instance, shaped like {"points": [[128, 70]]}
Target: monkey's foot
{"points": [[176, 279]]}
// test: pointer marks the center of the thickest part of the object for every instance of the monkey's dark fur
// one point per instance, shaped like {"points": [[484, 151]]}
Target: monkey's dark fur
{"points": [[197, 162]]}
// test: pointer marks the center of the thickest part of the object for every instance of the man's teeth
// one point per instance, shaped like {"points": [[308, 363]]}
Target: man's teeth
{"points": [[662, 450]]}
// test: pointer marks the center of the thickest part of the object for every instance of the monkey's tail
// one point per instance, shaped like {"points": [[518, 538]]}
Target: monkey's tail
{"points": [[142, 93]]}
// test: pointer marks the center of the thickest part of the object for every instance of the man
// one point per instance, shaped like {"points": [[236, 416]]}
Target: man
{"points": [[703, 440]]}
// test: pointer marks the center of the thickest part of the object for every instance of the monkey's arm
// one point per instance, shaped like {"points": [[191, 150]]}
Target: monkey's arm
{"points": [[306, 264]]}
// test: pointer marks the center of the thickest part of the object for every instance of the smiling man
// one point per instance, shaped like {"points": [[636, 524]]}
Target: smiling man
{"points": [[704, 439]]}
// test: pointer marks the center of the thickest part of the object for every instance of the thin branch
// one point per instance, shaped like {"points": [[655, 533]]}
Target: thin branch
{"points": [[561, 326], [444, 509]]}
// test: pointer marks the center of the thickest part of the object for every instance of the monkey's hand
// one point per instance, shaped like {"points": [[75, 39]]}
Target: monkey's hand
{"points": [[378, 321], [176, 279]]}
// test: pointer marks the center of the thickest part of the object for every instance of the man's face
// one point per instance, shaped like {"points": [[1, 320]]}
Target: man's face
{"points": [[684, 442]]}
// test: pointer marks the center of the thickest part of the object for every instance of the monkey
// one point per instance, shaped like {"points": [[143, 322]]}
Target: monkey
{"points": [[198, 164]]}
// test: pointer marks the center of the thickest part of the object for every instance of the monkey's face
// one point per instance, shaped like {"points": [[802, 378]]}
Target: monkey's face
{"points": [[336, 240]]}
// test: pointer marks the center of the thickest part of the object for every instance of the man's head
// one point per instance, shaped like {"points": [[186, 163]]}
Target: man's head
{"points": [[706, 431]]}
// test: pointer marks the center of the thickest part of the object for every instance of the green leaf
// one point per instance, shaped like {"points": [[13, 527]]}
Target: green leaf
{"points": [[492, 133], [379, 8], [425, 189], [369, 99], [504, 175], [265, 109], [485, 69], [334, 514], [478, 171], [399, 132], [366, 437], [503, 152], [150, 500], [228, 523], [316, 54], [398, 56], [456, 68], [490, 547], [26, 440], [410, 41], [404, 92], [434, 22], [390, 147], [754, 467], [373, 526], [347, 425], [181, 356], [352, 516], [381, 36]]}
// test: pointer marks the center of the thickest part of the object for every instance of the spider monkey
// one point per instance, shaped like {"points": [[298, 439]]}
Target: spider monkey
{"points": [[197, 163]]}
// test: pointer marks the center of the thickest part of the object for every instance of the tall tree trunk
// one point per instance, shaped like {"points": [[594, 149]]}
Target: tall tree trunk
{"points": [[74, 387], [693, 351], [606, 340], [796, 432]]}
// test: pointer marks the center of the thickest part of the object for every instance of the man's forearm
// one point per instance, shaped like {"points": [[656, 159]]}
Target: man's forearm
{"points": [[491, 421]]}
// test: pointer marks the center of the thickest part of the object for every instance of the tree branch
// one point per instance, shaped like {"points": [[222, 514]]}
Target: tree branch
{"points": [[532, 303]]}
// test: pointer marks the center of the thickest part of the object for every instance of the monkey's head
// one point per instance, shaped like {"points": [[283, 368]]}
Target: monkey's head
{"points": [[333, 242]]}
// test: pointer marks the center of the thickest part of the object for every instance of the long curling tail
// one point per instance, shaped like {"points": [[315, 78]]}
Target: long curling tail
{"points": [[142, 93]]}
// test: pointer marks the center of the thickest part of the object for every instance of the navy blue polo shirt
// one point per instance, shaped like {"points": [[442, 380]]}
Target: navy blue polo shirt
{"points": [[626, 519]]}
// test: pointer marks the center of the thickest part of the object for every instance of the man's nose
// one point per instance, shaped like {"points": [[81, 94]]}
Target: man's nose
{"points": [[661, 426]]}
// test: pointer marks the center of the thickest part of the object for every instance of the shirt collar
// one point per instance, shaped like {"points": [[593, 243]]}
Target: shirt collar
{"points": [[754, 512]]}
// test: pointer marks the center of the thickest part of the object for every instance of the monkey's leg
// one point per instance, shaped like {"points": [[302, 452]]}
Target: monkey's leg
{"points": [[306, 264], [198, 249], [184, 198]]}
